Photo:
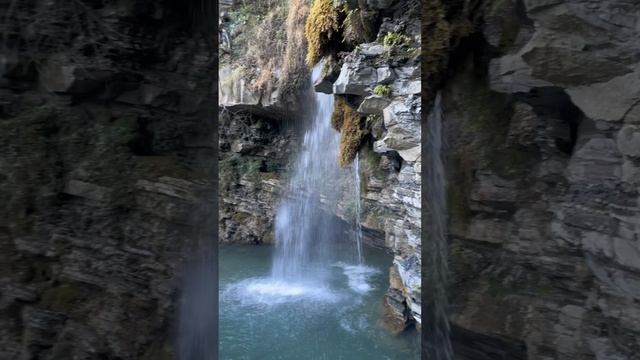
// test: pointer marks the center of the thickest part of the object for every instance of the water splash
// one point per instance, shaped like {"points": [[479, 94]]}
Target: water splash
{"points": [[437, 332]]}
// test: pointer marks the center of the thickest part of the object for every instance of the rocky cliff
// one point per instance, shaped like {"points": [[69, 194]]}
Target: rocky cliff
{"points": [[107, 173], [542, 126], [374, 73]]}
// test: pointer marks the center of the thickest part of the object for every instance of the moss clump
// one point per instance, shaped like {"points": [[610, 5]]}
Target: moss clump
{"points": [[339, 107], [394, 39], [382, 90], [445, 24], [346, 120], [320, 29], [352, 136], [358, 27], [60, 298], [458, 191], [234, 168]]}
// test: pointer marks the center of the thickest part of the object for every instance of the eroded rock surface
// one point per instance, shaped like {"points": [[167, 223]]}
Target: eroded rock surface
{"points": [[543, 191], [107, 176]]}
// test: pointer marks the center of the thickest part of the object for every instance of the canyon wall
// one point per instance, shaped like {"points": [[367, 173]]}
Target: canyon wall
{"points": [[542, 127], [107, 173]]}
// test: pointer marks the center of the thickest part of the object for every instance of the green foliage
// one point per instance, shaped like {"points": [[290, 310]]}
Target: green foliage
{"points": [[382, 90], [393, 40], [61, 298], [235, 167]]}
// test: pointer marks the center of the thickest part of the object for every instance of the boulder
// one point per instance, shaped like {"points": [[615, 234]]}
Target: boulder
{"points": [[356, 78], [373, 104]]}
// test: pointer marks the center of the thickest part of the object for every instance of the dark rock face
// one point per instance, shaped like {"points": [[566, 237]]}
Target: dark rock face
{"points": [[255, 155], [543, 186], [107, 175]]}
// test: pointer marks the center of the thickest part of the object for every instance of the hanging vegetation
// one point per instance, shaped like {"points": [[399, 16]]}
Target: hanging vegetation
{"points": [[321, 28]]}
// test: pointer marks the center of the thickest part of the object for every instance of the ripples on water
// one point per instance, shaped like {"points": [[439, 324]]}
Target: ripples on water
{"points": [[340, 318]]}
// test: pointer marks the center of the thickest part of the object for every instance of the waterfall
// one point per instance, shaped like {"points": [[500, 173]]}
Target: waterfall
{"points": [[302, 229], [437, 333], [358, 224]]}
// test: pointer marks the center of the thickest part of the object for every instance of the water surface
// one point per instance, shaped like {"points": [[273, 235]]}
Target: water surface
{"points": [[264, 318]]}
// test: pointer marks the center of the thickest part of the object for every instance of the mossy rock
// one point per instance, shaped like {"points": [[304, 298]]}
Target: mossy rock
{"points": [[322, 28], [61, 298], [352, 128], [159, 350]]}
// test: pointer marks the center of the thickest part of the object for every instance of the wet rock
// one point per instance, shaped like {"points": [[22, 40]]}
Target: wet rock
{"points": [[355, 78], [88, 190], [373, 104], [402, 121], [328, 76], [629, 141]]}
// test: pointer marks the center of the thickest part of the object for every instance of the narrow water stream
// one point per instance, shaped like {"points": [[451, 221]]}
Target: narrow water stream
{"points": [[438, 344]]}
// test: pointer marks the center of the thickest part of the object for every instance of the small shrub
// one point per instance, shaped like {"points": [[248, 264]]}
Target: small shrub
{"points": [[394, 39], [321, 27], [382, 90]]}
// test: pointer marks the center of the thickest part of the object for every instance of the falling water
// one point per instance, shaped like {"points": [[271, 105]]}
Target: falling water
{"points": [[438, 344], [358, 225], [303, 239]]}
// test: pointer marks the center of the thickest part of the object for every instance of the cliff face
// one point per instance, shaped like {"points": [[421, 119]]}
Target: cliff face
{"points": [[542, 126], [107, 173], [377, 75]]}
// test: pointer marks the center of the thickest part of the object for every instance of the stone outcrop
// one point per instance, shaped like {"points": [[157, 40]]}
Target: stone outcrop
{"points": [[107, 175], [392, 163], [543, 186], [255, 154]]}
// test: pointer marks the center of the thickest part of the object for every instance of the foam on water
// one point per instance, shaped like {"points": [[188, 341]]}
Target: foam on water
{"points": [[358, 276], [270, 291]]}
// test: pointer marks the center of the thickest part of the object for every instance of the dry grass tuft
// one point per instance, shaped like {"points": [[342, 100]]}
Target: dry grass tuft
{"points": [[294, 70], [320, 29], [266, 46]]}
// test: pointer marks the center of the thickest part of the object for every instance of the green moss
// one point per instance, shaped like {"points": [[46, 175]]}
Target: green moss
{"points": [[495, 288], [235, 167], [458, 190], [392, 39], [352, 129], [339, 108], [61, 298], [158, 350], [505, 14], [240, 217], [382, 90], [320, 29]]}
